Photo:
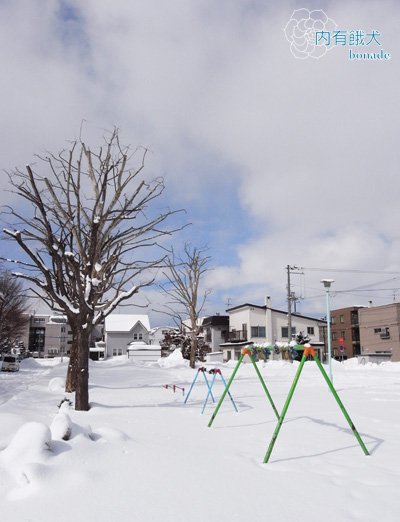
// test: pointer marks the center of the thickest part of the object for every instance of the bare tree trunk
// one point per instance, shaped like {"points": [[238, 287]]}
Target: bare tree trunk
{"points": [[193, 346], [70, 382], [82, 373]]}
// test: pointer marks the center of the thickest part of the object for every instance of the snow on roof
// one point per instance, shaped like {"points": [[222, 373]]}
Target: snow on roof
{"points": [[125, 322], [166, 328]]}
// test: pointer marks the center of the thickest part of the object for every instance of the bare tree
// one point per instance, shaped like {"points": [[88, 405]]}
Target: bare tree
{"points": [[183, 279], [90, 238], [13, 308]]}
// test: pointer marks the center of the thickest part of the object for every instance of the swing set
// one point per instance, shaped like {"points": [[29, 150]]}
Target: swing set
{"points": [[308, 351], [214, 372], [245, 351]]}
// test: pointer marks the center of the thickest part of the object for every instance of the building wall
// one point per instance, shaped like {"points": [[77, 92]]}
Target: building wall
{"points": [[249, 316], [138, 355], [305, 325], [380, 330], [218, 336]]}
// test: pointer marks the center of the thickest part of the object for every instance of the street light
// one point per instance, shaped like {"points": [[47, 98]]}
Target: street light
{"points": [[327, 284]]}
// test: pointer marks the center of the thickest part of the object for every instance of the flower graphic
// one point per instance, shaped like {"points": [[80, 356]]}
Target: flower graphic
{"points": [[301, 31]]}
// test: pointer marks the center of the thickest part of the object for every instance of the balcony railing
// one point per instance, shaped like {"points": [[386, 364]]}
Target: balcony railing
{"points": [[237, 336]]}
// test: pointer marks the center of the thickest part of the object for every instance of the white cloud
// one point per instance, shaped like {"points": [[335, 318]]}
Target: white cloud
{"points": [[311, 145]]}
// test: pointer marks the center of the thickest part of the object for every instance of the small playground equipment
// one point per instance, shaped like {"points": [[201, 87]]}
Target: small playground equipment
{"points": [[247, 350], [214, 372], [174, 387], [309, 351]]}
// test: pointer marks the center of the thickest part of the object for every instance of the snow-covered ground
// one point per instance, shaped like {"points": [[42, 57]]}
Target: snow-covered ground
{"points": [[141, 455]]}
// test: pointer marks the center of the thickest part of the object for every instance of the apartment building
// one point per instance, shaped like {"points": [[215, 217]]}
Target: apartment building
{"points": [[345, 332], [47, 335], [380, 330]]}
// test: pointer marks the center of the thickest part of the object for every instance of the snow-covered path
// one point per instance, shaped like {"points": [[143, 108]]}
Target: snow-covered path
{"points": [[140, 454]]}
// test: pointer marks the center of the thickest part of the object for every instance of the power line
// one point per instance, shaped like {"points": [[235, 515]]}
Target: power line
{"points": [[349, 270]]}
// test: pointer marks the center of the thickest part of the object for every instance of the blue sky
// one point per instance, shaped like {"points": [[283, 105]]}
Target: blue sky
{"points": [[277, 160]]}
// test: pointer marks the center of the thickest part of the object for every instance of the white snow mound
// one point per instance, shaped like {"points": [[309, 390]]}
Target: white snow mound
{"points": [[174, 360], [29, 444], [61, 427], [57, 384]]}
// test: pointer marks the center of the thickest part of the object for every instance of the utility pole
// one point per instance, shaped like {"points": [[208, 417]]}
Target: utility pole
{"points": [[289, 300]]}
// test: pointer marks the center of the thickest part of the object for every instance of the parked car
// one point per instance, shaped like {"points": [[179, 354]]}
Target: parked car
{"points": [[10, 363]]}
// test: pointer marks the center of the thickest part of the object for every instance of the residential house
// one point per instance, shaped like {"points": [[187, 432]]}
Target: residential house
{"points": [[250, 323], [157, 334], [123, 329], [186, 326]]}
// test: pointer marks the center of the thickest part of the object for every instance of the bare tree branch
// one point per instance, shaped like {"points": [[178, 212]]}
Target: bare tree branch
{"points": [[183, 276], [89, 235]]}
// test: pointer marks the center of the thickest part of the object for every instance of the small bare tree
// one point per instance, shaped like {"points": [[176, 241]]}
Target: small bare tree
{"points": [[13, 308], [184, 276], [88, 238]]}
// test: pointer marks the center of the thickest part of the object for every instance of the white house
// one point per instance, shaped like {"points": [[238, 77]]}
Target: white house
{"points": [[123, 329], [157, 334], [250, 323]]}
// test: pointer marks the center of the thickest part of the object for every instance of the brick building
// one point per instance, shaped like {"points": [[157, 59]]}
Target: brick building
{"points": [[345, 332], [380, 330]]}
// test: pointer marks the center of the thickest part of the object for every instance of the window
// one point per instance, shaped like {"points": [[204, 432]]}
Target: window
{"points": [[333, 320], [137, 336], [117, 351], [258, 331], [377, 330], [63, 329], [342, 335], [285, 329], [341, 318], [334, 336], [385, 333], [310, 330], [37, 339], [39, 320]]}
